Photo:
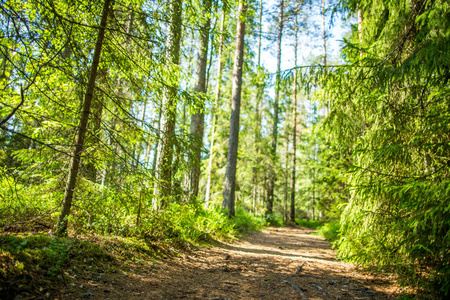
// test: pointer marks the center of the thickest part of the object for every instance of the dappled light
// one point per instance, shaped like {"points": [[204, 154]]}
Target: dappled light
{"points": [[267, 149], [260, 266]]}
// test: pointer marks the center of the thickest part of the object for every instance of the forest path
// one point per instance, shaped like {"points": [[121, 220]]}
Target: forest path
{"points": [[262, 265]]}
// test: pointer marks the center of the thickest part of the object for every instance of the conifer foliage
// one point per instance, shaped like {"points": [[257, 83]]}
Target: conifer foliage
{"points": [[390, 116]]}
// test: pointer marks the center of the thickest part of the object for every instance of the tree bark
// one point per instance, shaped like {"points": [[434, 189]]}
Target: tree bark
{"points": [[216, 103], [271, 187], [163, 185], [97, 110], [360, 20], [324, 35], [79, 142], [294, 123], [198, 119], [258, 102], [230, 177], [286, 176], [324, 49]]}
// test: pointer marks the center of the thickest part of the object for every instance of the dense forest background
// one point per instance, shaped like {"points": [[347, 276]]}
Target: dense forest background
{"points": [[159, 119]]}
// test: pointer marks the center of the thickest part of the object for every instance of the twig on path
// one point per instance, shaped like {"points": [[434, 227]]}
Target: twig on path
{"points": [[262, 295], [299, 268], [297, 288], [230, 290], [319, 288], [232, 283]]}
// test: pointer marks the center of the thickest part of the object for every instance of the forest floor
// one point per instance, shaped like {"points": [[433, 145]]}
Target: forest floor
{"points": [[276, 263]]}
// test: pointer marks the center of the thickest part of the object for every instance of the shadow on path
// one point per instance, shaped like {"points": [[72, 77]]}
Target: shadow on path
{"points": [[277, 263]]}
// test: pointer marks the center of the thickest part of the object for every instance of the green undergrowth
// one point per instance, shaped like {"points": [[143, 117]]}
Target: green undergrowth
{"points": [[30, 262], [274, 220], [314, 224], [328, 230], [35, 262], [184, 224], [245, 222]]}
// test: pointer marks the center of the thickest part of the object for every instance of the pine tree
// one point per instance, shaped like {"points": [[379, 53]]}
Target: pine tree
{"points": [[163, 186], [230, 177]]}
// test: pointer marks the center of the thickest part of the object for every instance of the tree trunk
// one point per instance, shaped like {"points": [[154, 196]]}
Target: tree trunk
{"points": [[79, 142], [163, 185], [324, 35], [294, 123], [286, 176], [197, 120], [271, 187], [97, 109], [122, 87], [156, 128], [216, 102], [258, 102], [314, 169], [230, 177], [108, 163], [360, 20], [324, 49]]}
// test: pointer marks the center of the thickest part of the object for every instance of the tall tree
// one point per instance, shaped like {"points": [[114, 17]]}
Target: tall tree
{"points": [[294, 119], [230, 177], [97, 108], [216, 100], [163, 186], [324, 50], [286, 172], [360, 21], [197, 120], [82, 127], [271, 187], [260, 84], [324, 35]]}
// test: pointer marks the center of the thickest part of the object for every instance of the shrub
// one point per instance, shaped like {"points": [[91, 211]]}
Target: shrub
{"points": [[330, 231], [309, 223], [246, 222], [274, 220]]}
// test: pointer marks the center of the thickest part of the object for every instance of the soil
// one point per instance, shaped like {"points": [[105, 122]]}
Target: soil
{"points": [[276, 263]]}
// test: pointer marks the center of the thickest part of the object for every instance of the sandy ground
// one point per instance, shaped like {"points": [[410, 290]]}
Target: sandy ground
{"points": [[277, 263]]}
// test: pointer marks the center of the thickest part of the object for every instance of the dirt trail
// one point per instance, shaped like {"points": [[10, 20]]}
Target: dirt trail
{"points": [[263, 265]]}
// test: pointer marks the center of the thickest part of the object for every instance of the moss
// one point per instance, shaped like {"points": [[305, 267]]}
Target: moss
{"points": [[29, 262]]}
